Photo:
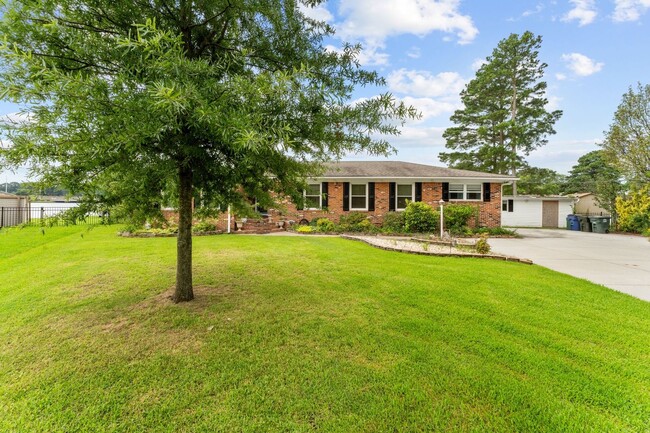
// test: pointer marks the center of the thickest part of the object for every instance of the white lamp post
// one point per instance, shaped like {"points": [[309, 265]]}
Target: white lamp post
{"points": [[442, 220]]}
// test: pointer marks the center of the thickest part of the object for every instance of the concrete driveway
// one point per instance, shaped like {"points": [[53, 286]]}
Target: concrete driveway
{"points": [[620, 262]]}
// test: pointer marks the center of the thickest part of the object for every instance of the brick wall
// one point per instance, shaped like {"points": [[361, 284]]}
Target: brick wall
{"points": [[489, 212]]}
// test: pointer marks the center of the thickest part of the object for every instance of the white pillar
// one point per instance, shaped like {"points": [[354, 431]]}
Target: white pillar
{"points": [[442, 219]]}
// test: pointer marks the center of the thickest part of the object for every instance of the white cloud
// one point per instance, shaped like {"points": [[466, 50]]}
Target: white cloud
{"points": [[477, 63], [369, 56], [430, 107], [372, 21], [584, 11], [527, 13], [414, 53], [581, 65], [630, 10], [419, 144], [538, 9], [560, 76], [425, 84], [318, 12], [16, 118], [562, 155], [553, 103]]}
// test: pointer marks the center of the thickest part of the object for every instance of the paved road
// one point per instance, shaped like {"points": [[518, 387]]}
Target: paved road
{"points": [[619, 262]]}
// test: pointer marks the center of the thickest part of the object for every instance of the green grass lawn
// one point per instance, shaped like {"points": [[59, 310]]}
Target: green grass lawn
{"points": [[300, 334]]}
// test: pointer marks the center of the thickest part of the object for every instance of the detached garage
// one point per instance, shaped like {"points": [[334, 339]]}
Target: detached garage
{"points": [[535, 211], [14, 209]]}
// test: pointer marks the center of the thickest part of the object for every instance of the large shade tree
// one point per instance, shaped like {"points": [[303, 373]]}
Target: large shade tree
{"points": [[627, 142], [505, 114], [131, 103], [596, 174], [539, 181]]}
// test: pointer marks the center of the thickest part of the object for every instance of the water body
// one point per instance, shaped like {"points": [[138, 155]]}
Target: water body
{"points": [[44, 209]]}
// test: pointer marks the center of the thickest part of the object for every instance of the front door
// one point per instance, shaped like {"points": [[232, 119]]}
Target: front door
{"points": [[550, 212]]}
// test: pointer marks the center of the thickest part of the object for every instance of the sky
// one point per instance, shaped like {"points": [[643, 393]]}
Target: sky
{"points": [[429, 49]]}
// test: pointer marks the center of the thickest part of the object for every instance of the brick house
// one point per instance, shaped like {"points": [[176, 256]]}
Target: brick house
{"points": [[378, 187]]}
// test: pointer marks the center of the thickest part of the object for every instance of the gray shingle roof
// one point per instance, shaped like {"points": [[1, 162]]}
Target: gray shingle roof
{"points": [[7, 195], [399, 169]]}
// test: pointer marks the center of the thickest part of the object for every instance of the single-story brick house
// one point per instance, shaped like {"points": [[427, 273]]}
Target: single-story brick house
{"points": [[378, 187]]}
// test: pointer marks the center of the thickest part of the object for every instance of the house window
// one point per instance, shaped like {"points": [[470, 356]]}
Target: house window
{"points": [[313, 196], [456, 191], [507, 205], [404, 195], [460, 191], [473, 191], [358, 196]]}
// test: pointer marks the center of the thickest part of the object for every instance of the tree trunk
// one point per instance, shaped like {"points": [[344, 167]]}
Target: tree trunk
{"points": [[184, 290]]}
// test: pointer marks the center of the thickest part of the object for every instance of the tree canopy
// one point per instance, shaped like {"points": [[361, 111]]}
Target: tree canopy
{"points": [[131, 104], [504, 116], [627, 142], [539, 181], [594, 173]]}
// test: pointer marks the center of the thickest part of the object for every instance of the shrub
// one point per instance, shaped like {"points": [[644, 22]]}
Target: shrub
{"points": [[634, 212], [420, 218], [203, 226], [355, 222], [304, 229], [324, 225], [352, 219], [366, 226], [393, 222], [457, 216], [482, 246]]}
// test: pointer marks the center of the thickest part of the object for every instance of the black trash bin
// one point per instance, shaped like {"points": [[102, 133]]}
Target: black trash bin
{"points": [[585, 225], [600, 224], [573, 222]]}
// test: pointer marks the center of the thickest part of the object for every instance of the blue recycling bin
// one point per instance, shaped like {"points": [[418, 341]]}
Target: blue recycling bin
{"points": [[573, 222]]}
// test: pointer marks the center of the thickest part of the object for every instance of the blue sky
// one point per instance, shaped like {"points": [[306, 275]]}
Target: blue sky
{"points": [[428, 49]]}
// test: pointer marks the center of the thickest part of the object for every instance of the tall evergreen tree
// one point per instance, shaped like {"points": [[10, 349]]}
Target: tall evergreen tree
{"points": [[129, 100], [504, 116]]}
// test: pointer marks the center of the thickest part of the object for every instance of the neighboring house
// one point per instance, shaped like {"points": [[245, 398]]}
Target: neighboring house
{"points": [[14, 209], [377, 187], [587, 204], [536, 211]]}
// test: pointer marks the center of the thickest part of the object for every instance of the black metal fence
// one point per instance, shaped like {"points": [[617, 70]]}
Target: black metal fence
{"points": [[49, 216]]}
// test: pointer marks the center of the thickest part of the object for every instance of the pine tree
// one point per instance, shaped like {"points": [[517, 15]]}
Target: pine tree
{"points": [[504, 116]]}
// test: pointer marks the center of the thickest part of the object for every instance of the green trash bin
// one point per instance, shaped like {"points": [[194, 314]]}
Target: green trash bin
{"points": [[585, 225], [600, 224]]}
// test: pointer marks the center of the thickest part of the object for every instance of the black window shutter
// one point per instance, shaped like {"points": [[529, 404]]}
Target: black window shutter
{"points": [[371, 196], [418, 191], [346, 196], [324, 194], [486, 191], [391, 196], [511, 205], [445, 191]]}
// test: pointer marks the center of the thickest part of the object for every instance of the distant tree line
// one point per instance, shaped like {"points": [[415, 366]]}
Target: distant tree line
{"points": [[32, 189]]}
